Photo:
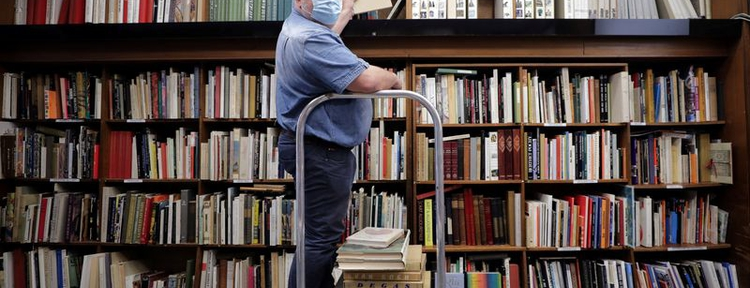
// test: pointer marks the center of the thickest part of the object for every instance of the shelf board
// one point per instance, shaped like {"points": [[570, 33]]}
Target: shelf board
{"points": [[52, 180], [471, 125], [676, 124], [151, 181], [54, 121], [579, 181], [380, 182], [470, 182], [249, 181], [715, 28], [574, 125], [183, 121], [683, 248], [676, 186], [235, 120], [574, 249], [186, 245], [479, 248]]}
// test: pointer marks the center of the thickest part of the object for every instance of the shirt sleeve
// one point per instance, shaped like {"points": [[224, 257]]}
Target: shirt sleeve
{"points": [[331, 62]]}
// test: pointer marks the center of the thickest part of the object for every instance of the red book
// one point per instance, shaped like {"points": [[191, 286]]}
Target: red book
{"points": [[40, 12], [155, 95], [217, 94], [583, 203], [489, 232], [42, 221], [96, 162], [30, 9], [77, 12], [163, 173], [147, 220], [19, 269], [469, 216], [143, 9], [514, 277], [64, 12]]}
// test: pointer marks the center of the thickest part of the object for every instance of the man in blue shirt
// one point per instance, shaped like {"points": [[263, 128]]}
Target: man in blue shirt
{"points": [[311, 60]]}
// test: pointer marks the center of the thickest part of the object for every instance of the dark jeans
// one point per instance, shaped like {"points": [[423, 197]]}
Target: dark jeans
{"points": [[329, 172]]}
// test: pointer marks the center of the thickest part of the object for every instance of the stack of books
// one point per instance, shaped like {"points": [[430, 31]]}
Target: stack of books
{"points": [[383, 258]]}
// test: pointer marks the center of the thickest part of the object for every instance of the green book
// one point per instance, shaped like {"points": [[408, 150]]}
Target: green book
{"points": [[189, 272]]}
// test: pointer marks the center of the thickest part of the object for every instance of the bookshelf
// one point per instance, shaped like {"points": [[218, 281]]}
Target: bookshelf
{"points": [[412, 45]]}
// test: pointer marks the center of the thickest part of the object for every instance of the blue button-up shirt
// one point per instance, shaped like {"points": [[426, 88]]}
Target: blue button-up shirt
{"points": [[312, 60]]}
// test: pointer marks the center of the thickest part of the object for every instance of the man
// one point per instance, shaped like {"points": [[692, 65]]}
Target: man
{"points": [[311, 60]]}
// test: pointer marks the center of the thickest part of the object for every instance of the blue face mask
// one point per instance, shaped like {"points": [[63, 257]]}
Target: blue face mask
{"points": [[326, 11]]}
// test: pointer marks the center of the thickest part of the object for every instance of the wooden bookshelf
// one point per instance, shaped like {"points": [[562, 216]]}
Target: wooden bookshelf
{"points": [[587, 42]]}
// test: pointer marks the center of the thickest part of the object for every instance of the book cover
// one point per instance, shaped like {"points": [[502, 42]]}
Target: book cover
{"points": [[375, 237]]}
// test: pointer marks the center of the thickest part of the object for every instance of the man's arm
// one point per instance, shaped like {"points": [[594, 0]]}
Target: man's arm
{"points": [[347, 12], [374, 79]]}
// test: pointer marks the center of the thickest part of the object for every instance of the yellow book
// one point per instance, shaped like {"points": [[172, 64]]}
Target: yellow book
{"points": [[428, 223]]}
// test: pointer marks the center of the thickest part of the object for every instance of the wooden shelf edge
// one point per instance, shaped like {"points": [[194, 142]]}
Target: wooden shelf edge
{"points": [[482, 248], [676, 186], [470, 182], [683, 248]]}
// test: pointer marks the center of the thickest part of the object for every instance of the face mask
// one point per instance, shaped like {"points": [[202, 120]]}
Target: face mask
{"points": [[326, 11]]}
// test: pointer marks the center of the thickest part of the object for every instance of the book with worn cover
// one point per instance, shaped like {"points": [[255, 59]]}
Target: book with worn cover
{"points": [[360, 257], [375, 237]]}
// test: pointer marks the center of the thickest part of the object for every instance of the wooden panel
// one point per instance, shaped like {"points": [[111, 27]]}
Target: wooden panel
{"points": [[736, 200], [151, 50], [7, 10], [654, 48], [466, 47], [724, 9]]}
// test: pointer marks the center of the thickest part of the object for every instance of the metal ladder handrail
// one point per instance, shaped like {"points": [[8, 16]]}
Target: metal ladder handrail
{"points": [[300, 175]]}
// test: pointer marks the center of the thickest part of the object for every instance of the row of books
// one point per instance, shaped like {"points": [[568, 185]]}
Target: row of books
{"points": [[375, 209], [563, 9], [240, 94], [75, 95], [147, 11], [381, 157], [44, 152], [165, 94], [482, 271], [147, 218], [690, 220], [564, 96], [493, 155], [666, 157], [230, 270], [151, 154], [582, 155], [572, 272], [694, 273], [64, 216], [242, 154], [473, 219]]}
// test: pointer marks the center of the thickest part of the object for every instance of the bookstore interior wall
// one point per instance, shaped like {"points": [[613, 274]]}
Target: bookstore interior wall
{"points": [[579, 145]]}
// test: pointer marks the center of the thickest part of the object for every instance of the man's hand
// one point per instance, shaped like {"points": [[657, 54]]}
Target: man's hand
{"points": [[347, 12], [398, 85]]}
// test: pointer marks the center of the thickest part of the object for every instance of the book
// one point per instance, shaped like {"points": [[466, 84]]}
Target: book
{"points": [[364, 6], [721, 162], [415, 264], [375, 237], [360, 257], [423, 283]]}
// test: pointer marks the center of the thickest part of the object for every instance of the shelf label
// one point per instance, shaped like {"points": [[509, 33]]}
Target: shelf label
{"points": [[133, 180], [691, 248], [675, 186], [568, 249], [65, 180], [637, 123], [585, 181], [555, 124], [135, 121], [69, 120], [241, 181]]}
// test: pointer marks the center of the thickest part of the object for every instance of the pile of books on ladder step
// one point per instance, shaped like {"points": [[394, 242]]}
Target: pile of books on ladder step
{"points": [[383, 258]]}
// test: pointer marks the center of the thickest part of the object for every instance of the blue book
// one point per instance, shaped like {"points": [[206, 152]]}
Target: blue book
{"points": [[629, 274], [454, 280]]}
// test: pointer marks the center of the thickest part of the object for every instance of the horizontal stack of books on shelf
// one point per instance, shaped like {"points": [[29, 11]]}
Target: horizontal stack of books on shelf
{"points": [[382, 257]]}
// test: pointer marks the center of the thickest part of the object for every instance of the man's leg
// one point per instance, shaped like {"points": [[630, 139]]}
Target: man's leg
{"points": [[328, 179]]}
